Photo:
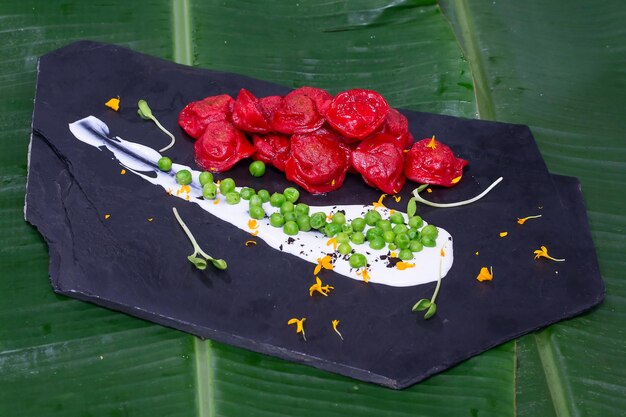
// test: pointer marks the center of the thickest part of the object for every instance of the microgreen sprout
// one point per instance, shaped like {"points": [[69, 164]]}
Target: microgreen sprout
{"points": [[146, 114], [194, 258], [429, 305], [411, 205]]}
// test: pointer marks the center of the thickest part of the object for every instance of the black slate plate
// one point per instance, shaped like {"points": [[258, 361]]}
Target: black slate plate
{"points": [[130, 264]]}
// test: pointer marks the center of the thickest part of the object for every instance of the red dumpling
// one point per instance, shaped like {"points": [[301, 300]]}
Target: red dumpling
{"points": [[380, 161], [397, 125], [432, 162], [249, 115], [317, 163], [298, 112], [221, 146], [357, 113], [272, 148], [198, 114]]}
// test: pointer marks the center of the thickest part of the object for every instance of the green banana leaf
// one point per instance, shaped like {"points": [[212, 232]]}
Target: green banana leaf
{"points": [[557, 66]]}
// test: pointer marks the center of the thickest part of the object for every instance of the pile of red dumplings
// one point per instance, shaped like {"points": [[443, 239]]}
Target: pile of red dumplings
{"points": [[316, 139]]}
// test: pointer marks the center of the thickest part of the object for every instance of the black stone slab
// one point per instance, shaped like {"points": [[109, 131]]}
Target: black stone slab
{"points": [[139, 267]]}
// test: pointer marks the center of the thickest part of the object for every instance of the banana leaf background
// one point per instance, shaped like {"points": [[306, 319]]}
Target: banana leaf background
{"points": [[558, 66]]}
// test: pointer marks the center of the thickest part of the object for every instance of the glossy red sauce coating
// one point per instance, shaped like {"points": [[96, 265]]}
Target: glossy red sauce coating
{"points": [[249, 115], [197, 114], [297, 113], [357, 113], [272, 148], [380, 161], [436, 166], [221, 146]]}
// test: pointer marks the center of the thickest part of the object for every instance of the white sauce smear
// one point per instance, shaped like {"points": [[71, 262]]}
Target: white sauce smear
{"points": [[430, 263]]}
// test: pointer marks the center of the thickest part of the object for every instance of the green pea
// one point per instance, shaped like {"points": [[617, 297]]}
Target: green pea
{"points": [[233, 197], [416, 222], [257, 212], [357, 260], [396, 218], [429, 242], [339, 218], [277, 220], [430, 231], [164, 164], [255, 200], [291, 194], [287, 207], [384, 225], [413, 234], [331, 229], [371, 217], [405, 254], [377, 242], [318, 220], [347, 228], [302, 208], [209, 191], [205, 178], [357, 238], [290, 216], [388, 236], [416, 246], [402, 240], [264, 194], [183, 177], [342, 237], [257, 168], [291, 228], [304, 222], [392, 246], [358, 224], [227, 185], [246, 193], [400, 228], [344, 248], [277, 199], [373, 232]]}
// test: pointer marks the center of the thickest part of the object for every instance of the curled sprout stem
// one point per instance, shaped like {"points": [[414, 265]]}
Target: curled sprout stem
{"points": [[218, 263], [146, 113], [419, 198]]}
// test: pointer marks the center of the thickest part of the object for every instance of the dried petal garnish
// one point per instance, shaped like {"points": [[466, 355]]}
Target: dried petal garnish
{"points": [[318, 287], [332, 242], [504, 234], [379, 203], [523, 219], [194, 258], [335, 324], [397, 198], [419, 198], [253, 224], [324, 262], [106, 216], [250, 243], [432, 144], [123, 172], [543, 253], [299, 325], [485, 274], [113, 103], [146, 113], [404, 265]]}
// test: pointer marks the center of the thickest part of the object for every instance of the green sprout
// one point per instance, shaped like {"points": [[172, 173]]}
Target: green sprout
{"points": [[194, 258], [429, 305], [411, 206], [146, 114]]}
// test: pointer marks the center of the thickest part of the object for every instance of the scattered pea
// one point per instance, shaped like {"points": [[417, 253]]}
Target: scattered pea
{"points": [[205, 178], [290, 216], [416, 246], [377, 242], [183, 177], [344, 248], [264, 195], [331, 229], [291, 228], [233, 197], [343, 237], [388, 236], [277, 199], [277, 220], [373, 232], [287, 207], [165, 164], [318, 220], [257, 212], [402, 240], [392, 246], [400, 228], [357, 238], [396, 218], [357, 260], [304, 222], [429, 242], [302, 208], [415, 222], [291, 194], [371, 217], [257, 168], [209, 191], [405, 254], [358, 224], [339, 218], [384, 224], [255, 200], [430, 231], [246, 193], [227, 185]]}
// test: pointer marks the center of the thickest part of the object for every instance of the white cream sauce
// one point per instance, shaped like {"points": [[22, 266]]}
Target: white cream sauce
{"points": [[310, 246]]}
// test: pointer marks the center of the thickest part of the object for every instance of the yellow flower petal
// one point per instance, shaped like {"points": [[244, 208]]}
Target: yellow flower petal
{"points": [[485, 274], [404, 265], [432, 144], [503, 234], [113, 103], [523, 220]]}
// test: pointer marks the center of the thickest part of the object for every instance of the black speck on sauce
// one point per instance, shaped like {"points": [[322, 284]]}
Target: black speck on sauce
{"points": [[290, 241]]}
